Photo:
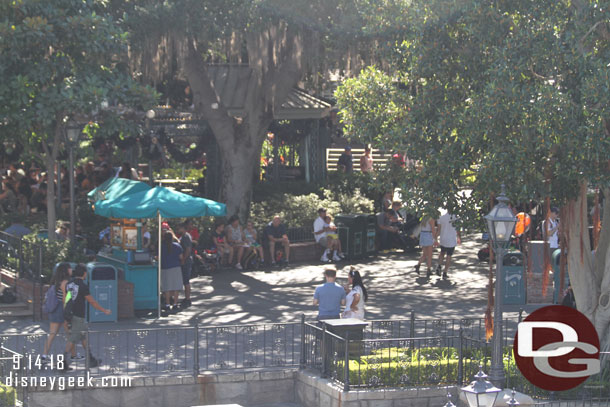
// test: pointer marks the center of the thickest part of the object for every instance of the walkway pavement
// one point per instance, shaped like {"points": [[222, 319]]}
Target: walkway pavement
{"points": [[232, 297]]}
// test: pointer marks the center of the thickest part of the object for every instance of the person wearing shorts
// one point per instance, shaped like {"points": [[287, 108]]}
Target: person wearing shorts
{"points": [[321, 231], [427, 241], [80, 294], [449, 238]]}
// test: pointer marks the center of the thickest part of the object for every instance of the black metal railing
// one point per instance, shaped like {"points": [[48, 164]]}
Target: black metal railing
{"points": [[176, 350], [21, 256], [12, 368], [438, 354], [302, 234]]}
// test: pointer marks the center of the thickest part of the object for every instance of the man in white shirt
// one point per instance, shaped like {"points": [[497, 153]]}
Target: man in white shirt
{"points": [[321, 232], [449, 238]]}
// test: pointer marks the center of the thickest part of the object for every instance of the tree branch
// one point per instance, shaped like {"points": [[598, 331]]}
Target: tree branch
{"points": [[207, 101], [603, 35]]}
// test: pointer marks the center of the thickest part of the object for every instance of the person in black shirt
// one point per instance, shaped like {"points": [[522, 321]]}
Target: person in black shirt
{"points": [[275, 232], [345, 163], [79, 292]]}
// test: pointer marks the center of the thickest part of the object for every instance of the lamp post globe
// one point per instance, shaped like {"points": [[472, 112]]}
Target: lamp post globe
{"points": [[500, 223], [481, 392], [73, 130]]}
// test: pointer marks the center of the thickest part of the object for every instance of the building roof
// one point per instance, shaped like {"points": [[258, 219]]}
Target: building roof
{"points": [[233, 83]]}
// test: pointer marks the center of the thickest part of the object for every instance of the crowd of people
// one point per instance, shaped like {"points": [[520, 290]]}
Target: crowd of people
{"points": [[24, 187]]}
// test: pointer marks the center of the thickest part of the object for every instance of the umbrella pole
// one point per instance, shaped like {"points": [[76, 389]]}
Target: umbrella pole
{"points": [[159, 268]]}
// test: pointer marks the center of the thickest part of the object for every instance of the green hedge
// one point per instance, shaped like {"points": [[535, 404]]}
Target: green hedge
{"points": [[397, 367], [7, 395]]}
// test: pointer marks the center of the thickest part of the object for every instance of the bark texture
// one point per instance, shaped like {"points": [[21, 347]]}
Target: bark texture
{"points": [[276, 57], [50, 158], [589, 272]]}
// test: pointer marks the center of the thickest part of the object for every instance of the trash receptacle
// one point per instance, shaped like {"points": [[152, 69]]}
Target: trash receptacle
{"points": [[556, 262], [513, 271], [103, 286], [351, 232]]}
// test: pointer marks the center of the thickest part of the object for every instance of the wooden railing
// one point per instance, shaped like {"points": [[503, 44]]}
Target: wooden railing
{"points": [[380, 158]]}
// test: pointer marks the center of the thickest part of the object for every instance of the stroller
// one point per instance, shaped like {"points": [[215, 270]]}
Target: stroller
{"points": [[207, 259]]}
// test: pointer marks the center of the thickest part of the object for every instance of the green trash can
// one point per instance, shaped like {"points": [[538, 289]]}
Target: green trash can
{"points": [[556, 263], [352, 235], [513, 272]]}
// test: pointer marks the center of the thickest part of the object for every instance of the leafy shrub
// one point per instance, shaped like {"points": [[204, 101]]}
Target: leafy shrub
{"points": [[52, 253], [302, 210], [264, 191], [7, 395]]}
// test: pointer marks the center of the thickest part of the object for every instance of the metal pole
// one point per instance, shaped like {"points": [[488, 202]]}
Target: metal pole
{"points": [[196, 364], [346, 367], [159, 267], [58, 186], [71, 179], [303, 347], [496, 373], [460, 378], [324, 352]]}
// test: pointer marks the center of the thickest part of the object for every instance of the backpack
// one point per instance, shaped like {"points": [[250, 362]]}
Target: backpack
{"points": [[8, 296], [51, 302], [250, 260], [71, 294]]}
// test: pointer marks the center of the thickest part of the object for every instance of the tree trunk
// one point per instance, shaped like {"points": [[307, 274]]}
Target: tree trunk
{"points": [[275, 57], [238, 174], [589, 272], [51, 215], [50, 158]]}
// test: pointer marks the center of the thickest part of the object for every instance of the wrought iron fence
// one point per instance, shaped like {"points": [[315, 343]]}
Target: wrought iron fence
{"points": [[11, 369], [450, 354], [417, 328], [575, 403], [174, 350], [302, 234], [20, 256]]}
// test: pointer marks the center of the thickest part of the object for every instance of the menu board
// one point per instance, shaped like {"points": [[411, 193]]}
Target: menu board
{"points": [[130, 238]]}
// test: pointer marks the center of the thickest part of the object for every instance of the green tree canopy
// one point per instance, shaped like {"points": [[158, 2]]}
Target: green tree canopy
{"points": [[509, 91], [61, 60]]}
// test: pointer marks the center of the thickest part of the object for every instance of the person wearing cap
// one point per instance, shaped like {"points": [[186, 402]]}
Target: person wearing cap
{"points": [[345, 163]]}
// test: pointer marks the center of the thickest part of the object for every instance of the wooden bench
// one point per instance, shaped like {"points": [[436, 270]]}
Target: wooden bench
{"points": [[301, 252]]}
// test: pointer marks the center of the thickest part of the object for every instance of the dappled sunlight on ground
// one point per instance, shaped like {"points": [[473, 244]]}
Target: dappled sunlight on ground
{"points": [[233, 297]]}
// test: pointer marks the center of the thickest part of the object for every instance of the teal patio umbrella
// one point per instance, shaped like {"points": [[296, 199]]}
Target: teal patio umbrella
{"points": [[114, 188], [161, 203], [158, 201]]}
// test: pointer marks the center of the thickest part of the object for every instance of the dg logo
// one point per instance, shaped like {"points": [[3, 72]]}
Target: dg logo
{"points": [[556, 348]]}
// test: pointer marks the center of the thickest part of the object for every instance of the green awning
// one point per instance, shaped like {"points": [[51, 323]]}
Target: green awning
{"points": [[166, 202]]}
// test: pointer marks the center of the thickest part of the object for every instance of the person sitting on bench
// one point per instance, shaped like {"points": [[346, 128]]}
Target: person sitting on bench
{"points": [[275, 232]]}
